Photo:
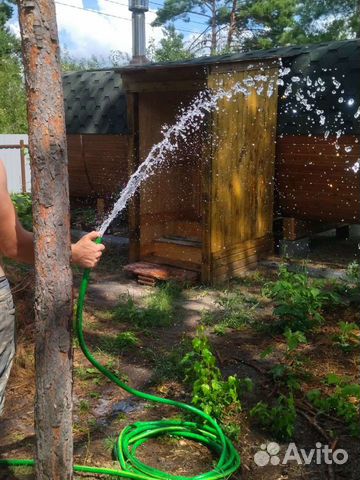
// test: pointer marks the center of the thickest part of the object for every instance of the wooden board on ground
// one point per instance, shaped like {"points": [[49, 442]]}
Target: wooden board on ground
{"points": [[153, 271]]}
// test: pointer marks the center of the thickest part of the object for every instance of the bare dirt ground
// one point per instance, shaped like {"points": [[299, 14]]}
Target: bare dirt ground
{"points": [[102, 410]]}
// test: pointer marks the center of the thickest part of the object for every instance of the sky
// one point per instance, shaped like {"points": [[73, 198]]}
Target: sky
{"points": [[84, 33]]}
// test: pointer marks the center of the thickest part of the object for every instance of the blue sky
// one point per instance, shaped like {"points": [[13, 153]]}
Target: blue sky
{"points": [[86, 33]]}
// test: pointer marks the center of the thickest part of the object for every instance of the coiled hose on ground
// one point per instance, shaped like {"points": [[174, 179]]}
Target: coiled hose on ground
{"points": [[133, 436]]}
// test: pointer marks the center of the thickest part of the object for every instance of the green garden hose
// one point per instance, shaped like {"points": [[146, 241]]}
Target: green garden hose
{"points": [[132, 437]]}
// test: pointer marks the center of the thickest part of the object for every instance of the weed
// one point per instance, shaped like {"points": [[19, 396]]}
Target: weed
{"points": [[158, 310], [343, 401], [250, 279], [290, 373], [299, 300], [236, 311], [353, 272], [84, 406], [348, 337], [110, 444], [85, 374], [278, 419], [210, 393], [116, 345], [95, 395], [169, 365]]}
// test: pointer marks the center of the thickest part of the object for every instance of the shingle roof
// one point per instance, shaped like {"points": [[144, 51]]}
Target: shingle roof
{"points": [[95, 103], [316, 52], [331, 62]]}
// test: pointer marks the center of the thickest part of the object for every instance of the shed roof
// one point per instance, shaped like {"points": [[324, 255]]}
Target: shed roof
{"points": [[325, 52], [95, 103]]}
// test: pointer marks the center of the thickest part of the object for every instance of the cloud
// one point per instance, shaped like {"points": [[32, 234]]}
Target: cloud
{"points": [[86, 33]]}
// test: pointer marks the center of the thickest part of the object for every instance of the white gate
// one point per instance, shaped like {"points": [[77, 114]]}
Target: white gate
{"points": [[13, 153]]}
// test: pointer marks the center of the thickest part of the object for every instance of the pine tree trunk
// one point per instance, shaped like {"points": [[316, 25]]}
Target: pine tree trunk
{"points": [[53, 284], [232, 27], [213, 28]]}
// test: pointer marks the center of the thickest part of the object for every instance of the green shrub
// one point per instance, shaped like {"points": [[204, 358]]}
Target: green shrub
{"points": [[299, 300], [210, 392], [279, 419], [343, 401], [347, 339], [23, 206]]}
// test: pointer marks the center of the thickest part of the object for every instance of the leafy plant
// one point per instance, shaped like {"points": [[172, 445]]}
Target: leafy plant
{"points": [[23, 207], [126, 340], [210, 392], [278, 419], [299, 300], [343, 401], [347, 339], [353, 272]]}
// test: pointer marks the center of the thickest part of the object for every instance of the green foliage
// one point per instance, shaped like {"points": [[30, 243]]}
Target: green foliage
{"points": [[347, 339], [294, 339], [13, 117], [169, 365], [353, 272], [210, 393], [343, 401], [278, 419], [171, 47], [23, 206], [84, 406], [321, 21], [299, 300], [83, 218], [126, 340], [270, 22], [158, 311]]}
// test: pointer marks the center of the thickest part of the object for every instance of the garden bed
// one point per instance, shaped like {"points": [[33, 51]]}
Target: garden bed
{"points": [[143, 334]]}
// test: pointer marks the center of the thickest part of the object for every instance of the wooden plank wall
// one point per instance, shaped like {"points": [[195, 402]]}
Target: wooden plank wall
{"points": [[242, 177], [170, 199], [315, 181], [98, 164]]}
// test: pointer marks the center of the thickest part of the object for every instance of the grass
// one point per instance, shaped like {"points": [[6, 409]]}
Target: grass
{"points": [[236, 310], [119, 344], [158, 311], [168, 365]]}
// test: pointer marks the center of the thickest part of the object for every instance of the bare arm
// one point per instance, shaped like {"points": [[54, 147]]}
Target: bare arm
{"points": [[15, 241], [18, 244]]}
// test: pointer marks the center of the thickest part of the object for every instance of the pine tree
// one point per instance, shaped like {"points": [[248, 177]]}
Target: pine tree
{"points": [[171, 47], [213, 12]]}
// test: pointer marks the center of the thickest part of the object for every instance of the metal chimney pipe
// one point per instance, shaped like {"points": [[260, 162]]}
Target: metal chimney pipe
{"points": [[138, 9]]}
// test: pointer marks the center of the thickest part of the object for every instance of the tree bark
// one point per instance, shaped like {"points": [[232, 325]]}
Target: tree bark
{"points": [[53, 283], [232, 27]]}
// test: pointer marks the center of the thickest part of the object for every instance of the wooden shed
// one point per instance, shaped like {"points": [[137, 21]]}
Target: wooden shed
{"points": [[97, 133], [209, 210]]}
